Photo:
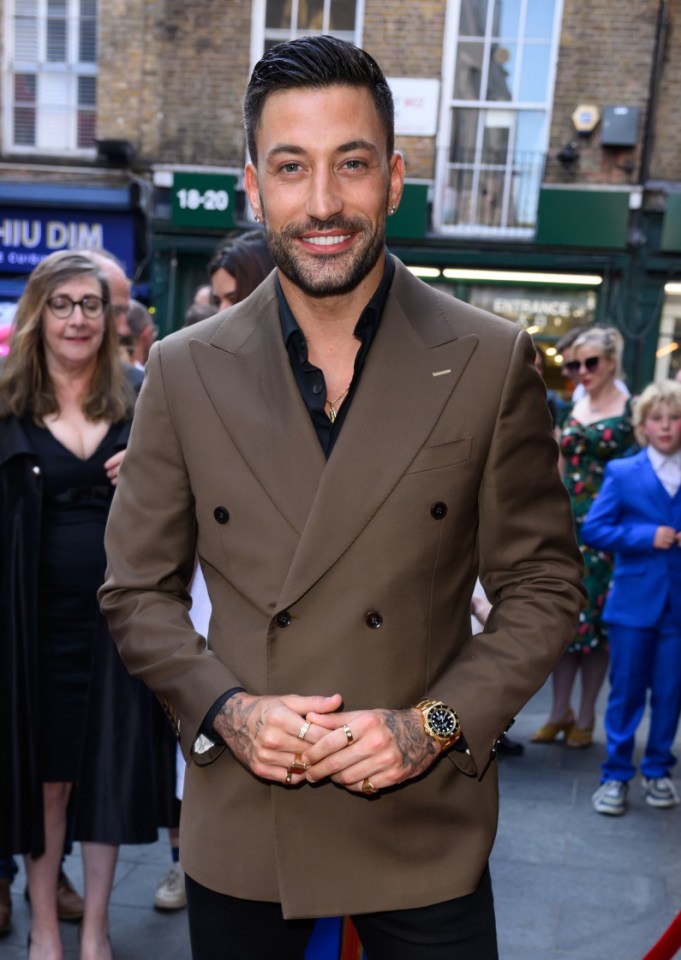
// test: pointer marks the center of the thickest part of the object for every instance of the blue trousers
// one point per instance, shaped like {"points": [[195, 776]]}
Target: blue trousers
{"points": [[643, 659]]}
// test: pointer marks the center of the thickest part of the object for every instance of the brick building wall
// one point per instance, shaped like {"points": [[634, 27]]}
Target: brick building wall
{"points": [[605, 57], [172, 76], [406, 40], [666, 152]]}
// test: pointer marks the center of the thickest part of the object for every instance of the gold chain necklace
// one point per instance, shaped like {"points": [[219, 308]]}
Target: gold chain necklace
{"points": [[333, 413]]}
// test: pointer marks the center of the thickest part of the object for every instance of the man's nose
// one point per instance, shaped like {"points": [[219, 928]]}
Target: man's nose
{"points": [[324, 199]]}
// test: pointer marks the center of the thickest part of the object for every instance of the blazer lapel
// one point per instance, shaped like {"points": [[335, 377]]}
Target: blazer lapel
{"points": [[406, 382], [246, 372]]}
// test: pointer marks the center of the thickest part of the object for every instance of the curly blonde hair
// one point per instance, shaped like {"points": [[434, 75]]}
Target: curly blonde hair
{"points": [[664, 391], [26, 387]]}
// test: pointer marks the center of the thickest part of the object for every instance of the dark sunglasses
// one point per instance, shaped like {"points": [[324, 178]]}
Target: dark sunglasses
{"points": [[572, 367]]}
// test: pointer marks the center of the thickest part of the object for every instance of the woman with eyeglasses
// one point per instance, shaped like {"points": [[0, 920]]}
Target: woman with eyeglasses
{"points": [[65, 411], [597, 429]]}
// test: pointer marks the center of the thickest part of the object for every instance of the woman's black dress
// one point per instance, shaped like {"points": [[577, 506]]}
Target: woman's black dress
{"points": [[76, 499], [97, 726]]}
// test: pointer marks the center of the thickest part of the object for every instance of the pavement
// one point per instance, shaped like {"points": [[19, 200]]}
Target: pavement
{"points": [[569, 884]]}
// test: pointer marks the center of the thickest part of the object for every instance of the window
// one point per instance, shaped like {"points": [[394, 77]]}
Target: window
{"points": [[277, 20], [498, 74], [52, 70]]}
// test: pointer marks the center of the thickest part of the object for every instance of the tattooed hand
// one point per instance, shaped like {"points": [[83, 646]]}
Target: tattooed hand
{"points": [[262, 732], [388, 746]]}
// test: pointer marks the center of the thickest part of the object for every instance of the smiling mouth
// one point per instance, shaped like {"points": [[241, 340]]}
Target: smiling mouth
{"points": [[327, 241]]}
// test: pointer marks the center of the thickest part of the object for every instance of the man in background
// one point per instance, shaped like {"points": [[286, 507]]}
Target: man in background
{"points": [[144, 332]]}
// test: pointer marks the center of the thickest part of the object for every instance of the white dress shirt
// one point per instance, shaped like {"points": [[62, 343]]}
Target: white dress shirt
{"points": [[668, 469]]}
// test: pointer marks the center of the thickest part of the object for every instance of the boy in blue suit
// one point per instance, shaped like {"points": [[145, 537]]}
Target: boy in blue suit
{"points": [[637, 515]]}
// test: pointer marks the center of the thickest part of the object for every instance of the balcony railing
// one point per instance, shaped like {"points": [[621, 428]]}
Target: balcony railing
{"points": [[489, 193]]}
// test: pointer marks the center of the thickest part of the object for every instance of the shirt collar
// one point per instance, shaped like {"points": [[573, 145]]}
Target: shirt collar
{"points": [[660, 461], [369, 318]]}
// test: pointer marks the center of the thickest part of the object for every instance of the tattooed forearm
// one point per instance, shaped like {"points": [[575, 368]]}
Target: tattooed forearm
{"points": [[417, 751], [231, 723]]}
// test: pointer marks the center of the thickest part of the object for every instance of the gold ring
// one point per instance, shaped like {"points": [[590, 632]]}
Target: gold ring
{"points": [[303, 730], [348, 733], [298, 765], [368, 787]]}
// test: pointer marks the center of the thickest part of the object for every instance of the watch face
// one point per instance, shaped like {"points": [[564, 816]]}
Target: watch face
{"points": [[442, 721]]}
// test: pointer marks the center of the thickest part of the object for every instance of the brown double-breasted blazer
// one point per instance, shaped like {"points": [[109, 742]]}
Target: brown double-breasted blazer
{"points": [[445, 467]]}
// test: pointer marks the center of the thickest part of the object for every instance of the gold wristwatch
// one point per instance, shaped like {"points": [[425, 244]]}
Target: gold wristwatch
{"points": [[440, 722]]}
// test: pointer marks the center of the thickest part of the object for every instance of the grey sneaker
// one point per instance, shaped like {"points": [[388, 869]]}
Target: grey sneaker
{"points": [[659, 792], [170, 893], [611, 798]]}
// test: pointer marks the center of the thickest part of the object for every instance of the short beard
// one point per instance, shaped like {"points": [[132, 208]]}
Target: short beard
{"points": [[317, 284]]}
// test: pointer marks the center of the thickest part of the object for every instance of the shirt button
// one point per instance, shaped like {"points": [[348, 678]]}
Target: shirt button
{"points": [[283, 619], [221, 514], [438, 510], [317, 388], [36, 471], [373, 619]]}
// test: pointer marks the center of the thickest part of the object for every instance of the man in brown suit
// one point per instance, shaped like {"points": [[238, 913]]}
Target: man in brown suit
{"points": [[344, 450]]}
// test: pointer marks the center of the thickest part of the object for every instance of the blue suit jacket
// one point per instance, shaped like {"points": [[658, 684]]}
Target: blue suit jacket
{"points": [[631, 505]]}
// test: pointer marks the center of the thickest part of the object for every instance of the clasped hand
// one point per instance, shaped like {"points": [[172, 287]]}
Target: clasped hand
{"points": [[264, 733], [666, 537]]}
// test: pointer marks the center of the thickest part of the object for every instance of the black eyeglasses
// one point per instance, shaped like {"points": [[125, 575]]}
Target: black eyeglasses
{"points": [[91, 306], [573, 367]]}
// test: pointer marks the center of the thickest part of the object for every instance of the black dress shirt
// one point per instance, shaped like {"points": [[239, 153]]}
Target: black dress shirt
{"points": [[310, 379]]}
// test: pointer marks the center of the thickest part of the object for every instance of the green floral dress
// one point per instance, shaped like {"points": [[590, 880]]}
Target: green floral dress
{"points": [[587, 450]]}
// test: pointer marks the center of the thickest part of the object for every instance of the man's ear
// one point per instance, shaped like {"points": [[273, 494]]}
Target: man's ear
{"points": [[396, 182], [251, 187]]}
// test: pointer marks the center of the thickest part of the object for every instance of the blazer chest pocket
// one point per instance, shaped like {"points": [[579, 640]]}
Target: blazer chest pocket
{"points": [[442, 455]]}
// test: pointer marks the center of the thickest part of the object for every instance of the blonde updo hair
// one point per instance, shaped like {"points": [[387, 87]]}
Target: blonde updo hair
{"points": [[607, 339], [664, 391]]}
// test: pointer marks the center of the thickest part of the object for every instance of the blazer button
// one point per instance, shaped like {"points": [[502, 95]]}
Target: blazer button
{"points": [[373, 619], [221, 514], [438, 510], [283, 619]]}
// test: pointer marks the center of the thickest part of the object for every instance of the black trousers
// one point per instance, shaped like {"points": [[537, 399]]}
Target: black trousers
{"points": [[228, 928]]}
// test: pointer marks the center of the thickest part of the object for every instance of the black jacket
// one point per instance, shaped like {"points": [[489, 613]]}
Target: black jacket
{"points": [[21, 488]]}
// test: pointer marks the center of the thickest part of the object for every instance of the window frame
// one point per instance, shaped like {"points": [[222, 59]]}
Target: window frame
{"points": [[40, 67], [259, 33], [449, 104]]}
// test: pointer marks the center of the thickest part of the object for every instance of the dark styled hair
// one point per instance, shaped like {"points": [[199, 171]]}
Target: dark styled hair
{"points": [[316, 62], [247, 258], [26, 386]]}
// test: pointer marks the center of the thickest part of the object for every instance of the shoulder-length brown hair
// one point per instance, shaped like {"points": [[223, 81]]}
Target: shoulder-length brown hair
{"points": [[26, 387]]}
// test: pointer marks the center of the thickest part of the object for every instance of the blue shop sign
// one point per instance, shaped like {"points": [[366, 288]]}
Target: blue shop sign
{"points": [[28, 235]]}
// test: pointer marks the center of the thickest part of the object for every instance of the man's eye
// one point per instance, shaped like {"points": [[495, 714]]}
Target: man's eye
{"points": [[291, 167], [354, 164]]}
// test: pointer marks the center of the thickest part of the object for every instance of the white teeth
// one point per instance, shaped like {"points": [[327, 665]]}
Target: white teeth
{"points": [[326, 241]]}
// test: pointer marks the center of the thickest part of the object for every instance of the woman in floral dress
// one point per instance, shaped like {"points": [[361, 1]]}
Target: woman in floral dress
{"points": [[597, 430]]}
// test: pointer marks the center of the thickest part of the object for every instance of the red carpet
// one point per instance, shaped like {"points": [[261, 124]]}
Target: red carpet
{"points": [[669, 943]]}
